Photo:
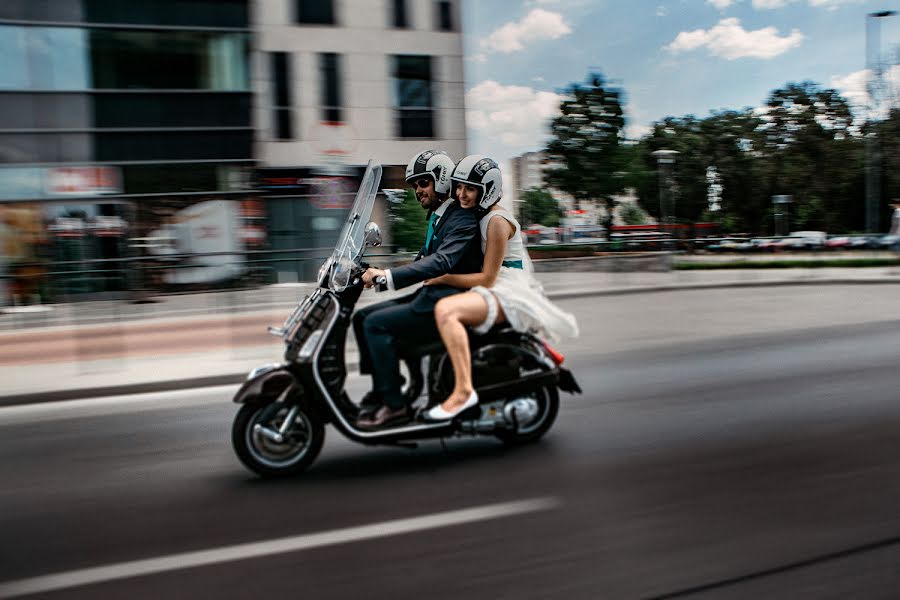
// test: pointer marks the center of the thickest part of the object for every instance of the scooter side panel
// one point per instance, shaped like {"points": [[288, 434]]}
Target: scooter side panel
{"points": [[266, 386]]}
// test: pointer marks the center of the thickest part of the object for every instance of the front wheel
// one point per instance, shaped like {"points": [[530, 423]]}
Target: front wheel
{"points": [[277, 439], [534, 415]]}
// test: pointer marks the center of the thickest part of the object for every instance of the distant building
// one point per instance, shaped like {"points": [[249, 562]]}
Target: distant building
{"points": [[528, 173], [114, 116], [338, 82], [118, 117]]}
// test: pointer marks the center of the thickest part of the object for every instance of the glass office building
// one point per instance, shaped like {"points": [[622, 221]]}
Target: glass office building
{"points": [[115, 116]]}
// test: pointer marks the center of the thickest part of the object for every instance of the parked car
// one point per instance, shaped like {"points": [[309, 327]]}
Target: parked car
{"points": [[889, 242], [729, 245], [763, 245], [804, 240], [864, 241], [838, 243]]}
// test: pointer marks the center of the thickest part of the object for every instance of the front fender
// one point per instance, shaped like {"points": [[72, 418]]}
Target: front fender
{"points": [[266, 384]]}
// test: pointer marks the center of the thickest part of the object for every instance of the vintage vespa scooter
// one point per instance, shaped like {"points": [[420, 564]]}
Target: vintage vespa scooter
{"points": [[280, 427]]}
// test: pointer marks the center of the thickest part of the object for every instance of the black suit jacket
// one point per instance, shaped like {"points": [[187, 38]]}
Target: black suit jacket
{"points": [[455, 248]]}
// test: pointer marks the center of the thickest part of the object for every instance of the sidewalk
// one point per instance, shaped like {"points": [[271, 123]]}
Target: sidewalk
{"points": [[193, 340]]}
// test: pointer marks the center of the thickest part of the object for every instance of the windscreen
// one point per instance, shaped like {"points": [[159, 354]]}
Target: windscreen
{"points": [[350, 243]]}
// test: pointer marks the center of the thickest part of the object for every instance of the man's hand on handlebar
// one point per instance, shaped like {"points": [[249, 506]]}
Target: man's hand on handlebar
{"points": [[374, 277]]}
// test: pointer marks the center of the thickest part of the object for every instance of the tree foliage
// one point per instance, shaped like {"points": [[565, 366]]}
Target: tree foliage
{"points": [[408, 223], [632, 214], [539, 206], [803, 144], [584, 152]]}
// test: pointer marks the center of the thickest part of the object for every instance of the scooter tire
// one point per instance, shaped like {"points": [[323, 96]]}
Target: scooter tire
{"points": [[549, 410], [269, 459]]}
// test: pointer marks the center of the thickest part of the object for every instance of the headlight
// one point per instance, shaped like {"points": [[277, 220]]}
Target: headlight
{"points": [[340, 278], [310, 345], [323, 270]]}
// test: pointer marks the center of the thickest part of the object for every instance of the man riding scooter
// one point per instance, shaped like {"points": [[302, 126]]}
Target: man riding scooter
{"points": [[452, 245]]}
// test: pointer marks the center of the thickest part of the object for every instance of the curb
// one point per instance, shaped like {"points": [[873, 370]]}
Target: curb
{"points": [[229, 379]]}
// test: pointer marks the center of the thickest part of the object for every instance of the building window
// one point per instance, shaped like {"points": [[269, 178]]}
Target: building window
{"points": [[281, 95], [44, 58], [413, 96], [329, 65], [171, 110], [169, 60], [401, 18], [209, 13], [444, 15], [315, 12]]}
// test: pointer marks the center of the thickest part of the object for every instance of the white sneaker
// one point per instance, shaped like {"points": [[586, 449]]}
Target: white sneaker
{"points": [[439, 414]]}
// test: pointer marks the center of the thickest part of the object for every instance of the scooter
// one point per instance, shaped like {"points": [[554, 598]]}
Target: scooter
{"points": [[280, 428]]}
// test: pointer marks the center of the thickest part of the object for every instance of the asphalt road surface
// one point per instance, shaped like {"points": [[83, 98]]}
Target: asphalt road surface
{"points": [[729, 444]]}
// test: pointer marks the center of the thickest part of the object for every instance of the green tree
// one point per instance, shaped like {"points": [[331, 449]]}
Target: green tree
{"points": [[809, 151], [539, 206], [408, 223], [632, 214], [584, 152]]}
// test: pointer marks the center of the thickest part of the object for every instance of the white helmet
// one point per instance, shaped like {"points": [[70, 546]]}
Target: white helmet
{"points": [[435, 164], [483, 173]]}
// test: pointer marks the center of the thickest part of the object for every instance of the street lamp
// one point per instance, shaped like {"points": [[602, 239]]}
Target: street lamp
{"points": [[781, 203], [874, 87], [665, 159]]}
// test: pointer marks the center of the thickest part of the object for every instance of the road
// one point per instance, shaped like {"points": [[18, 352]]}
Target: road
{"points": [[729, 444]]}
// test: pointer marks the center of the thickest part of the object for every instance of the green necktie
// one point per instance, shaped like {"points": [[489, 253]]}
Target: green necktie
{"points": [[430, 233]]}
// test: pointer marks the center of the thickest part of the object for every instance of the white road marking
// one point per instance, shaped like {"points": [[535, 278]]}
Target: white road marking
{"points": [[187, 560]]}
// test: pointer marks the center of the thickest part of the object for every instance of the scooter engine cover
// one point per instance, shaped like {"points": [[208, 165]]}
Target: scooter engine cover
{"points": [[497, 363]]}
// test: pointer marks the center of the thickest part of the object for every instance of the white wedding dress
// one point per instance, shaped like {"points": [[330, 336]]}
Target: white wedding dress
{"points": [[519, 293]]}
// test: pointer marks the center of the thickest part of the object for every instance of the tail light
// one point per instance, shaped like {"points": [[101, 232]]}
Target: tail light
{"points": [[556, 356]]}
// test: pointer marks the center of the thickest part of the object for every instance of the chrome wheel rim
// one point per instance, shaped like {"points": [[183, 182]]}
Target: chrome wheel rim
{"points": [[278, 454]]}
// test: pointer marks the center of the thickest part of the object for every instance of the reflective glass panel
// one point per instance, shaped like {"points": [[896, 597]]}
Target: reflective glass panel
{"points": [[20, 183], [14, 74]]}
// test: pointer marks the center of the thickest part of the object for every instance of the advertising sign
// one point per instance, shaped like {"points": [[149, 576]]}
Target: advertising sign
{"points": [[83, 181]]}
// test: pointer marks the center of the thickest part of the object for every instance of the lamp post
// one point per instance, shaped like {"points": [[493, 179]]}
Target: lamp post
{"points": [[665, 160], [782, 203], [875, 84]]}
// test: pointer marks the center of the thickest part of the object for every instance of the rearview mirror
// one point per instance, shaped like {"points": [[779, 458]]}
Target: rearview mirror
{"points": [[372, 234]]}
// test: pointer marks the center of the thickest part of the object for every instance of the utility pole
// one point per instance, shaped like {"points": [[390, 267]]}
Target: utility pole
{"points": [[665, 160], [875, 88]]}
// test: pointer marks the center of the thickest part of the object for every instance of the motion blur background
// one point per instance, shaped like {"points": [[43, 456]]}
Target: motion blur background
{"points": [[171, 145]]}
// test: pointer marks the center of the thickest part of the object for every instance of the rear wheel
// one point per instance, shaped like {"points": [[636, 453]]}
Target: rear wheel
{"points": [[534, 415], [277, 439]]}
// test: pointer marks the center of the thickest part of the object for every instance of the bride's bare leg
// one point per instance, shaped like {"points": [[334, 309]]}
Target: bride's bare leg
{"points": [[453, 314]]}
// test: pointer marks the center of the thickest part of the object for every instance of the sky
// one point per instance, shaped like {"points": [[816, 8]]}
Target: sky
{"points": [[671, 58]]}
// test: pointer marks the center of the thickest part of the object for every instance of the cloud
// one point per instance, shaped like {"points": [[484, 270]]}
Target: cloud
{"points": [[770, 4], [731, 41], [479, 58], [720, 4], [537, 25], [831, 4], [514, 115], [774, 4], [661, 11], [854, 87]]}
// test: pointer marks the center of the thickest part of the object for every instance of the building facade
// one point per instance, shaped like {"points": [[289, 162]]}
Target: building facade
{"points": [[339, 82], [579, 219], [114, 117]]}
